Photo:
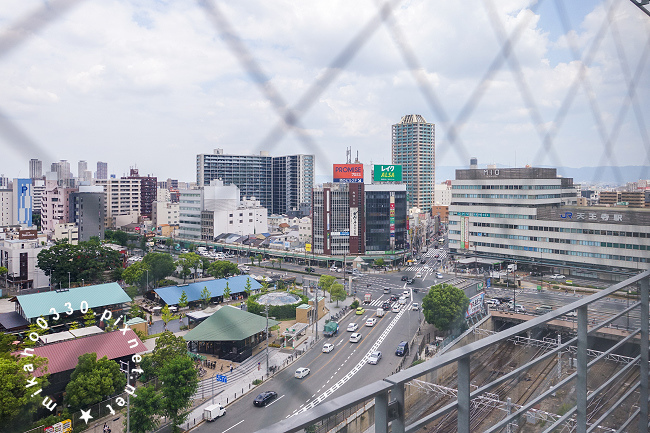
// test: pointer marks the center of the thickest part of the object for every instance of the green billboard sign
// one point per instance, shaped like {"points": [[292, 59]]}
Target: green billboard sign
{"points": [[388, 173]]}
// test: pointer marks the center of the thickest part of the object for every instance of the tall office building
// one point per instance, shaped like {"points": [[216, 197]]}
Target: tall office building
{"points": [[35, 169], [281, 184], [87, 209], [413, 146], [83, 174], [148, 191], [63, 175], [293, 180], [102, 170]]}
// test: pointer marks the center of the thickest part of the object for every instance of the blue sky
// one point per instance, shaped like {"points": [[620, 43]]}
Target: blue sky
{"points": [[151, 84]]}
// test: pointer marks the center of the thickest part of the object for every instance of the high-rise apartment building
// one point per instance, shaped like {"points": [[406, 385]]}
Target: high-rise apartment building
{"points": [[338, 219], [252, 174], [83, 174], [122, 200], [281, 184], [293, 180], [102, 170], [413, 146], [55, 203], [148, 191], [35, 169]]}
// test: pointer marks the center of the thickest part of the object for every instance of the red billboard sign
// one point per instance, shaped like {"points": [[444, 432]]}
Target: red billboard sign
{"points": [[351, 173]]}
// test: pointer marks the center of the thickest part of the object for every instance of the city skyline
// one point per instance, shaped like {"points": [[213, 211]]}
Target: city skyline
{"points": [[168, 88]]}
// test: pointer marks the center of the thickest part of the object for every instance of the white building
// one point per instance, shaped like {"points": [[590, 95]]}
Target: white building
{"points": [[529, 215], [122, 200], [189, 217], [163, 194], [442, 194], [165, 212], [66, 231], [38, 190], [6, 207], [304, 230], [19, 256]]}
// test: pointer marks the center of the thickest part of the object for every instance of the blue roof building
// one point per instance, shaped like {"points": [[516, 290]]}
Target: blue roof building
{"points": [[171, 294]]}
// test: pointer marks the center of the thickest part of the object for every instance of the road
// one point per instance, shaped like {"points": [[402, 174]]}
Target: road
{"points": [[332, 374]]}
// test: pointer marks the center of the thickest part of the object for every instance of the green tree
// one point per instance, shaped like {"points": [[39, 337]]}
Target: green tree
{"points": [[180, 382], [15, 395], [248, 288], [337, 293], [252, 260], [326, 281], [136, 311], [226, 293], [28, 342], [182, 301], [168, 346], [92, 380], [89, 318], [116, 236], [144, 410], [3, 270], [265, 286], [86, 261], [161, 265], [259, 260], [380, 262], [188, 261], [167, 316], [223, 268], [445, 306], [206, 295], [136, 274]]}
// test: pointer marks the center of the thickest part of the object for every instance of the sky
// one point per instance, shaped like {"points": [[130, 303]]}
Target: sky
{"points": [[151, 84]]}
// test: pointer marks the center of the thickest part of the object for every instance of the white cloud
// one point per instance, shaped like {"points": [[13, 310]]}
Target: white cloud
{"points": [[153, 84]]}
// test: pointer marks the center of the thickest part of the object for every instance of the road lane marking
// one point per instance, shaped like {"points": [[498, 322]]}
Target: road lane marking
{"points": [[277, 399], [355, 370], [230, 428]]}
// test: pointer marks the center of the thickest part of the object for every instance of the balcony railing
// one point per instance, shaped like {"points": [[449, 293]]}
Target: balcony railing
{"points": [[615, 401]]}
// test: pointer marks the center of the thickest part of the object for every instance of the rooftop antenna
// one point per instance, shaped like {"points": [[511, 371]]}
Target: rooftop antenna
{"points": [[348, 155]]}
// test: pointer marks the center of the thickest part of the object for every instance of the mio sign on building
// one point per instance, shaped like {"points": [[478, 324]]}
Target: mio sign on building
{"points": [[348, 173], [387, 173]]}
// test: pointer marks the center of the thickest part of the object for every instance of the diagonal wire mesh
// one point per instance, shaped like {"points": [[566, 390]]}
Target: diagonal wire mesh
{"points": [[290, 118]]}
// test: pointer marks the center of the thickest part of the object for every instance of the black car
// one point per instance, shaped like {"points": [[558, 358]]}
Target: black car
{"points": [[504, 299], [309, 269], [423, 262], [409, 281], [402, 349], [386, 306], [265, 398], [405, 277], [393, 298]]}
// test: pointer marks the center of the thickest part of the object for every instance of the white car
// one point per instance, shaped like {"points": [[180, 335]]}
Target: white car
{"points": [[374, 358], [493, 302], [301, 372], [439, 275], [415, 306], [328, 347], [418, 275], [355, 338], [401, 300], [395, 308], [406, 293], [335, 269], [371, 321], [557, 277], [352, 327]]}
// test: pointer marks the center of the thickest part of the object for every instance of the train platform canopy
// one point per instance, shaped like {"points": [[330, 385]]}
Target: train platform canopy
{"points": [[471, 260], [237, 284], [229, 324], [65, 355], [97, 296]]}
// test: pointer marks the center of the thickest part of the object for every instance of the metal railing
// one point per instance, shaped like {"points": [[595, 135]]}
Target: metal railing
{"points": [[389, 393]]}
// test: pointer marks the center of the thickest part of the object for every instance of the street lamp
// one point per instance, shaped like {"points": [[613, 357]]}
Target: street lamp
{"points": [[68, 280]]}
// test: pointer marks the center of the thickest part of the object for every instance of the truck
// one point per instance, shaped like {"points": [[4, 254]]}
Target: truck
{"points": [[380, 312], [213, 412], [512, 267], [367, 298], [331, 329]]}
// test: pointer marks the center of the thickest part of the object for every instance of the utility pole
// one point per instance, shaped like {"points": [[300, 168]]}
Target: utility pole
{"points": [[68, 280], [316, 321]]}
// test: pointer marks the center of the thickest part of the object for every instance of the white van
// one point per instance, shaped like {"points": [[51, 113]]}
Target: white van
{"points": [[213, 412], [380, 312]]}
